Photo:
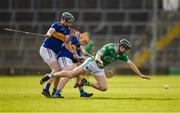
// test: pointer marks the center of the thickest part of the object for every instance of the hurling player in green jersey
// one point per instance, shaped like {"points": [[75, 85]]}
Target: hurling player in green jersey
{"points": [[107, 54]]}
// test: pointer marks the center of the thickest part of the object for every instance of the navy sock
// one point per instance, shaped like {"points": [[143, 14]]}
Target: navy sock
{"points": [[82, 92], [47, 87], [54, 91], [58, 91]]}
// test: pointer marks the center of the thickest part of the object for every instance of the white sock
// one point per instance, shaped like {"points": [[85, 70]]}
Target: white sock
{"points": [[51, 75]]}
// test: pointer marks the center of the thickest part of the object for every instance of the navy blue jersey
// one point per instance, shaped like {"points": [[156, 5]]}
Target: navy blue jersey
{"points": [[75, 45], [56, 40]]}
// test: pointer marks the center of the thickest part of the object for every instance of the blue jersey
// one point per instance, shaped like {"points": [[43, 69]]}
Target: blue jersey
{"points": [[56, 40], [75, 45]]}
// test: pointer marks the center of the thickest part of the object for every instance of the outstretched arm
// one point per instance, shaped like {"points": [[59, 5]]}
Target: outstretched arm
{"points": [[136, 70]]}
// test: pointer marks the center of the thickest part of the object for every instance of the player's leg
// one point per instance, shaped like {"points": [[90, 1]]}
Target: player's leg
{"points": [[55, 80], [61, 85], [66, 64], [84, 93], [99, 75], [74, 73], [78, 80], [49, 57], [81, 88], [55, 68], [71, 74], [100, 84]]}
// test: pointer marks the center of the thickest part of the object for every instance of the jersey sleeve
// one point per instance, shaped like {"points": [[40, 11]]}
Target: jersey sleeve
{"points": [[77, 46], [74, 40], [55, 26], [79, 52], [124, 58], [68, 32]]}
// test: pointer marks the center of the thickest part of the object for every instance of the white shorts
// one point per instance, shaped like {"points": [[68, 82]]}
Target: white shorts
{"points": [[65, 62], [47, 55], [90, 65]]}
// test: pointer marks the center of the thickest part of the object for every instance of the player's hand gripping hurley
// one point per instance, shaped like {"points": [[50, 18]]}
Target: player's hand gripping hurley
{"points": [[100, 65]]}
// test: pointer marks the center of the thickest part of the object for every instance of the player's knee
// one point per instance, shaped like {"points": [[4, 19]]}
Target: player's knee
{"points": [[103, 88]]}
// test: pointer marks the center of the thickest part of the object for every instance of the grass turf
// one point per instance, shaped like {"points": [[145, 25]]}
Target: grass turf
{"points": [[125, 94]]}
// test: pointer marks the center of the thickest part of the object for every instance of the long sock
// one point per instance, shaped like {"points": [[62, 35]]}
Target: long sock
{"points": [[87, 83], [54, 91], [47, 87], [82, 92], [58, 91]]}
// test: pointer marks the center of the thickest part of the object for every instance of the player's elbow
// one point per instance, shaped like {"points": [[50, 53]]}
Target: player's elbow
{"points": [[67, 41]]}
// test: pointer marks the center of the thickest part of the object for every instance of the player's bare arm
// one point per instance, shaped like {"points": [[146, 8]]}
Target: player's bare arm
{"points": [[50, 32], [136, 70], [68, 46], [99, 60], [98, 57]]}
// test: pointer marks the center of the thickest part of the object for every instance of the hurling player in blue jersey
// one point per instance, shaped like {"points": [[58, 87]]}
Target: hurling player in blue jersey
{"points": [[57, 36], [66, 63]]}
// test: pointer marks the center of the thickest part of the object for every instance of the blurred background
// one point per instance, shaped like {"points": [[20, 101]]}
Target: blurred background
{"points": [[152, 26]]}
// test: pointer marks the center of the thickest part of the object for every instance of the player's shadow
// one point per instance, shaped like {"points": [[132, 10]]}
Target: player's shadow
{"points": [[133, 98]]}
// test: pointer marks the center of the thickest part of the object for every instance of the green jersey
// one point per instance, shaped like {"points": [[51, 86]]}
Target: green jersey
{"points": [[89, 46], [109, 54]]}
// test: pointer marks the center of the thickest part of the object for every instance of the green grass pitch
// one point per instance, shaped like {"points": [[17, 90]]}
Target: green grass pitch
{"points": [[125, 94]]}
